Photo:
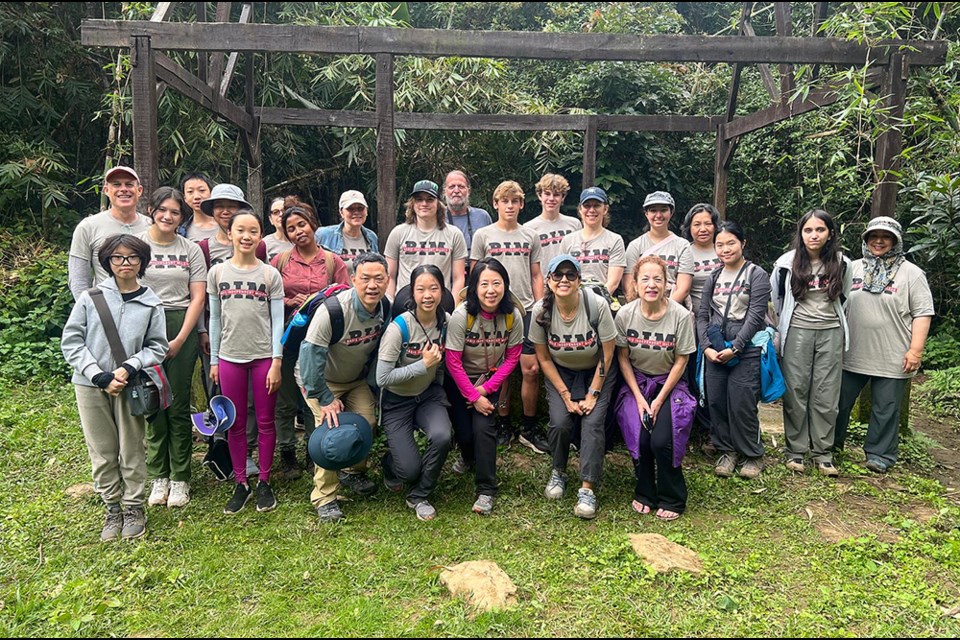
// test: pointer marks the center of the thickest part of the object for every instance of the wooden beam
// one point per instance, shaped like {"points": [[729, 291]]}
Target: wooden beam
{"points": [[734, 93], [145, 143], [488, 122], [720, 174], [765, 72], [819, 15], [196, 36], [218, 60], [590, 153], [252, 144], [245, 12], [386, 150], [203, 58], [192, 87], [784, 18], [162, 12], [890, 142]]}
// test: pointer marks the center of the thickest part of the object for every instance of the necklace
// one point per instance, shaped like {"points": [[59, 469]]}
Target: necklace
{"points": [[567, 317]]}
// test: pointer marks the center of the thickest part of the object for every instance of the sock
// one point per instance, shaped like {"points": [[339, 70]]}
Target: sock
{"points": [[529, 424]]}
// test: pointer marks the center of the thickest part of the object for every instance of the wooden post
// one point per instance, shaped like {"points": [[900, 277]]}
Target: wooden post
{"points": [[590, 152], [890, 142], [784, 15], [145, 144], [386, 150], [252, 145], [720, 174], [203, 58]]}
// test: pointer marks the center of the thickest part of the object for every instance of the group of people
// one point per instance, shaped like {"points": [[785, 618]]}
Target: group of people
{"points": [[655, 338]]}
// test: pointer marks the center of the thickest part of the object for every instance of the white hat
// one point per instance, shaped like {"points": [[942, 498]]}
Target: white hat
{"points": [[352, 197], [884, 223]]}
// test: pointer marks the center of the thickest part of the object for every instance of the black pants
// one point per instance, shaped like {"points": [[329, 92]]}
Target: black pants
{"points": [[660, 485], [732, 396], [476, 435], [399, 416], [592, 437]]}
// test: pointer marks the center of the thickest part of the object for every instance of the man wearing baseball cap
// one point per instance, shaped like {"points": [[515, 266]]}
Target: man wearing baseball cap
{"points": [[349, 238], [123, 189]]}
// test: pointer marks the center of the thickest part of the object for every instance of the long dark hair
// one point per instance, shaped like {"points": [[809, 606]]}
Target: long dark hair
{"points": [[700, 207], [411, 304], [473, 299], [829, 256], [162, 194]]}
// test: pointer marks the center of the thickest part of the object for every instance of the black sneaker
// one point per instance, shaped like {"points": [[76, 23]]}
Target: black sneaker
{"points": [[504, 433], [534, 441], [239, 500], [289, 466], [359, 483], [266, 501]]}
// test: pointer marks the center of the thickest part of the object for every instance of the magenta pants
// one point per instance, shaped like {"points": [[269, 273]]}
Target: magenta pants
{"points": [[233, 384]]}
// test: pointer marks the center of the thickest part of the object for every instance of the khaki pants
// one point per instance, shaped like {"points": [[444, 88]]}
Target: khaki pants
{"points": [[357, 398], [115, 443]]}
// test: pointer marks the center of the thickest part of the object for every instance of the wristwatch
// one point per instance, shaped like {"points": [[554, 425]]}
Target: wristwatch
{"points": [[735, 351], [595, 392]]}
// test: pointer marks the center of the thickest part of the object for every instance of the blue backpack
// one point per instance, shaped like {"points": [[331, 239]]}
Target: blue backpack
{"points": [[772, 384]]}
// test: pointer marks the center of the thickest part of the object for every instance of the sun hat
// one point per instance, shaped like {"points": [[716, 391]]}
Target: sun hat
{"points": [[884, 223], [341, 447], [224, 192], [218, 418]]}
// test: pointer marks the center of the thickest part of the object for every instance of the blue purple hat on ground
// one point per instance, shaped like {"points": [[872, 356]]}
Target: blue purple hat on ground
{"points": [[218, 418], [341, 447]]}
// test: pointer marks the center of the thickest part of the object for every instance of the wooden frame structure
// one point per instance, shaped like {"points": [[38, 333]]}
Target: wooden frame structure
{"points": [[220, 43]]}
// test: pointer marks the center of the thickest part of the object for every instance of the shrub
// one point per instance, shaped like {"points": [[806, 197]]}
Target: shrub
{"points": [[943, 347], [35, 303]]}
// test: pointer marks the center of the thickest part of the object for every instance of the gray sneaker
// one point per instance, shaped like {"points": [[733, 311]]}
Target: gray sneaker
{"points": [[483, 505], [555, 486], [423, 509], [726, 465], [134, 522], [113, 525], [330, 512], [586, 504], [751, 468]]}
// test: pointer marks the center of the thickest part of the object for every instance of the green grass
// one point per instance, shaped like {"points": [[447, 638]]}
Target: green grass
{"points": [[768, 569]]}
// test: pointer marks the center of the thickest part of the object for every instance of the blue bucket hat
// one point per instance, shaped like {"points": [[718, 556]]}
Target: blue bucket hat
{"points": [[343, 446], [224, 191], [218, 418], [560, 259]]}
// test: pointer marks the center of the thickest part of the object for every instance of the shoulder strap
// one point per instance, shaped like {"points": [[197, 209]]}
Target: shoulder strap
{"points": [[723, 323], [652, 250], [205, 248], [109, 326], [509, 323], [593, 313], [284, 259], [328, 258], [404, 330], [335, 309], [471, 320]]}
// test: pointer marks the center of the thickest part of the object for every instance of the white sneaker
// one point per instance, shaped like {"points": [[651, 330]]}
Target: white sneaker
{"points": [[179, 494], [159, 489]]}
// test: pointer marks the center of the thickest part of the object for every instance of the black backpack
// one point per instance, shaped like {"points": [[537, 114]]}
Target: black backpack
{"points": [[296, 330]]}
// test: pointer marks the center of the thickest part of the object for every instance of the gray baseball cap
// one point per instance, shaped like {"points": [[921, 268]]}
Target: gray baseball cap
{"points": [[224, 191], [659, 197]]}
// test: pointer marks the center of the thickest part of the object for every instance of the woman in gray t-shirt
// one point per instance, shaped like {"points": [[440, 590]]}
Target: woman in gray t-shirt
{"points": [[410, 374]]}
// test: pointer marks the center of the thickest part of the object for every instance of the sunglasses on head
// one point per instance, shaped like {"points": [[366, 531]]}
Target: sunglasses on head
{"points": [[571, 276]]}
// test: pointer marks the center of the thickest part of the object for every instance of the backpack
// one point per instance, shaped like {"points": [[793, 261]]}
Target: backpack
{"points": [[472, 319], [261, 251], [296, 330], [218, 459], [401, 323]]}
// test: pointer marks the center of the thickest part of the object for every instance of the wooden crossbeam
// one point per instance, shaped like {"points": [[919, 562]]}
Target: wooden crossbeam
{"points": [[191, 86], [182, 36], [245, 13]]}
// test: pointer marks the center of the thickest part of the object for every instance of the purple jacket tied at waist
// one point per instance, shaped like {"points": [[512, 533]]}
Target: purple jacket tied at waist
{"points": [[683, 406]]}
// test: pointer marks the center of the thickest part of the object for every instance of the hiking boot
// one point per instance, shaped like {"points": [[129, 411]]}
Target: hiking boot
{"points": [[252, 468], [423, 509], [330, 512], [359, 483], [534, 441], [586, 504], [390, 479], [266, 501], [484, 505], [179, 493], [726, 465], [877, 465], [289, 467], [795, 464], [239, 500], [159, 491], [504, 433], [460, 466], [827, 469], [113, 524], [555, 486], [134, 523], [751, 468]]}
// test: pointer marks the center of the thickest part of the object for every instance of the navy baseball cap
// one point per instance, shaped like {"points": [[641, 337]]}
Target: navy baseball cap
{"points": [[594, 193]]}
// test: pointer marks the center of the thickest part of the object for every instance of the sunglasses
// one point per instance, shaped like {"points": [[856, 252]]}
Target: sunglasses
{"points": [[571, 276]]}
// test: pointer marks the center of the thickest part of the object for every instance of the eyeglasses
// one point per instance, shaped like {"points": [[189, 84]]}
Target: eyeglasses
{"points": [[571, 276], [276, 212], [117, 260]]}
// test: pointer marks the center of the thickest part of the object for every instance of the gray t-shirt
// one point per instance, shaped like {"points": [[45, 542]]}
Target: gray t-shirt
{"points": [[93, 230], [725, 287], [816, 310], [516, 250], [219, 252], [245, 294], [704, 263], [390, 347], [596, 256], [353, 247], [196, 234], [484, 344], [675, 252], [411, 248], [881, 324], [474, 219], [275, 246], [347, 358], [552, 233], [574, 344], [655, 344], [173, 268]]}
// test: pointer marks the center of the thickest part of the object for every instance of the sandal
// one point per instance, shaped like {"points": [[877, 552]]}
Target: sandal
{"points": [[640, 508], [666, 516]]}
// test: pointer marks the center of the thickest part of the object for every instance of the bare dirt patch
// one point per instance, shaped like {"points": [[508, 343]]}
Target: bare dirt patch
{"points": [[850, 517]]}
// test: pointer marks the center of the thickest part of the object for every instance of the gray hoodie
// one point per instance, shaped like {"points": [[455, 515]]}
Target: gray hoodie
{"points": [[140, 323]]}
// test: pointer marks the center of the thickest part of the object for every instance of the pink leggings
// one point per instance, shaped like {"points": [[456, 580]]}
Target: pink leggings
{"points": [[233, 383]]}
